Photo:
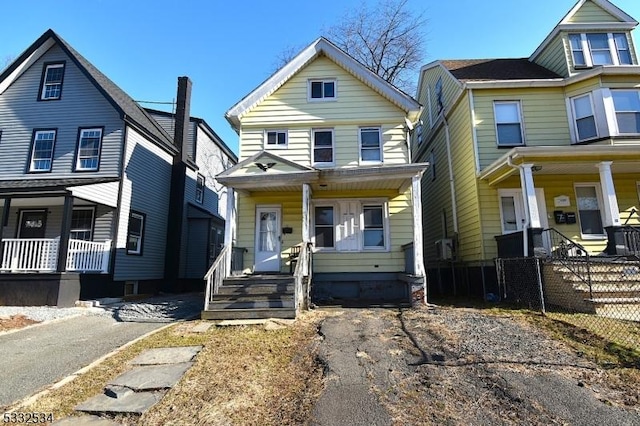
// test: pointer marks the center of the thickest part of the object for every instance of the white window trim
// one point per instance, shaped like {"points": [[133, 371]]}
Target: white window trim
{"points": [[615, 112], [574, 118], [33, 149], [97, 167], [337, 214], [44, 82], [587, 53], [323, 98], [92, 209], [276, 146], [142, 218], [333, 147], [521, 122], [600, 205], [380, 144]]}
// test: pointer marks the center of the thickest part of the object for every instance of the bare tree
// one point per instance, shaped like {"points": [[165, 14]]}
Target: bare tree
{"points": [[6, 61], [387, 38]]}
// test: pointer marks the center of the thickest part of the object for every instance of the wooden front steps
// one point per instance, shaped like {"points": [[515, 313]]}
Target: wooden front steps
{"points": [[253, 297]]}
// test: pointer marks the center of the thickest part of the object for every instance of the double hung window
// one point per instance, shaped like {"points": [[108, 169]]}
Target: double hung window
{"points": [[370, 145], [627, 106], [135, 233], [52, 77], [323, 146], [42, 150], [82, 223], [592, 49], [88, 156], [584, 118], [508, 123]]}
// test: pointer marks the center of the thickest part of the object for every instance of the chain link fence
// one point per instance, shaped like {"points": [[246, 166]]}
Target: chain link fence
{"points": [[601, 295]]}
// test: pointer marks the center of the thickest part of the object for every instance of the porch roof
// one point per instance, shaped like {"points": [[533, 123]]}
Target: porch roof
{"points": [[563, 160], [35, 186], [388, 177]]}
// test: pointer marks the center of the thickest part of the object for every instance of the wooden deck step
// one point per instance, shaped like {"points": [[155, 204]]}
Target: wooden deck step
{"points": [[222, 314]]}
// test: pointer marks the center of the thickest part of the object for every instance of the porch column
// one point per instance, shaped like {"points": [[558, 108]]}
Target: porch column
{"points": [[611, 212], [418, 257], [230, 225], [529, 195], [4, 222], [64, 233], [306, 213]]}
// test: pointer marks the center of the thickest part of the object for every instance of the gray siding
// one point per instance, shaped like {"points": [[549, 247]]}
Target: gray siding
{"points": [[103, 220], [81, 105], [146, 183], [169, 126]]}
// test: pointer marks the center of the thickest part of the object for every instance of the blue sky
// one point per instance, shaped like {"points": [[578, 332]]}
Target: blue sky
{"points": [[228, 48]]}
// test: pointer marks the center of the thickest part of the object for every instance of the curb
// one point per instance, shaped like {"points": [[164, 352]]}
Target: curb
{"points": [[32, 398]]}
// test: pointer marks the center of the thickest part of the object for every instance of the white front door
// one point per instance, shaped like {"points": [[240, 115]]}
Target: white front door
{"points": [[267, 239], [512, 212]]}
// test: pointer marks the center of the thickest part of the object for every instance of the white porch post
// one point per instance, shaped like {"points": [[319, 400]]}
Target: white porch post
{"points": [[418, 258], [529, 196], [612, 213], [306, 210], [230, 225]]}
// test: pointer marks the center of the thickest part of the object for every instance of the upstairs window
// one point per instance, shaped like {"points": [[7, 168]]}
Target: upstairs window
{"points": [[322, 90], [135, 233], [584, 119], [592, 49], [42, 150], [88, 153], [370, 145], [200, 188], [508, 123], [276, 139], [323, 146], [52, 82], [627, 106]]}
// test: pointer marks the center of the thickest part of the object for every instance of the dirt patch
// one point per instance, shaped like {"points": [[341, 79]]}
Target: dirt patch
{"points": [[15, 321]]}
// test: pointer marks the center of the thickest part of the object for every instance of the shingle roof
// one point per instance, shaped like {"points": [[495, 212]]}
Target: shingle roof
{"points": [[497, 69], [128, 108], [28, 185]]}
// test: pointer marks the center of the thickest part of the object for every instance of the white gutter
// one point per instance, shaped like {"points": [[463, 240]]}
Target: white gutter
{"points": [[525, 200], [474, 131], [452, 187]]}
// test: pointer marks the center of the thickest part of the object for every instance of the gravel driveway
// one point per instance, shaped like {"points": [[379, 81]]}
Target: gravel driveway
{"points": [[462, 366]]}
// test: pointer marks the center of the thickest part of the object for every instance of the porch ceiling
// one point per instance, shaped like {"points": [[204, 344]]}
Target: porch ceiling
{"points": [[571, 160]]}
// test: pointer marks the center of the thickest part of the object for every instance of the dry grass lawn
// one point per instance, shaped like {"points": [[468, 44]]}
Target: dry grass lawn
{"points": [[244, 375]]}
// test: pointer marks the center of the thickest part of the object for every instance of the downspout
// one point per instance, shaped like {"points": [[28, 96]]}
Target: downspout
{"points": [[525, 200], [452, 187]]}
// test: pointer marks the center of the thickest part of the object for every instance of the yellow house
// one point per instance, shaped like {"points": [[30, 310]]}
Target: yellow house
{"points": [[326, 192], [534, 155]]}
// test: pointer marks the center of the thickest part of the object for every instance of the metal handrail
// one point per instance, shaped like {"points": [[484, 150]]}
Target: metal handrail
{"points": [[216, 274], [571, 254], [631, 237]]}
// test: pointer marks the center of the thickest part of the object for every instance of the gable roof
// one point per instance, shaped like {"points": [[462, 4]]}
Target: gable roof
{"points": [[496, 69], [264, 154], [322, 46], [129, 110], [626, 22]]}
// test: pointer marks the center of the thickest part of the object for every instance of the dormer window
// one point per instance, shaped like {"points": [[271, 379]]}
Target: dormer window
{"points": [[52, 76], [600, 49], [322, 90]]}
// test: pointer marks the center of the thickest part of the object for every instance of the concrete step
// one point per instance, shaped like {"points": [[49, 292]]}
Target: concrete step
{"points": [[222, 314]]}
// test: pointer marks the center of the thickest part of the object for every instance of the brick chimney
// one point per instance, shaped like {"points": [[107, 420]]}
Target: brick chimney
{"points": [[171, 282], [183, 109]]}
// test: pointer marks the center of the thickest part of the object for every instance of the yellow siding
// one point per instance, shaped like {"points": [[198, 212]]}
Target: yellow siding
{"points": [[590, 12], [427, 95], [621, 81], [544, 115], [582, 87], [555, 56], [356, 106], [555, 185], [400, 230]]}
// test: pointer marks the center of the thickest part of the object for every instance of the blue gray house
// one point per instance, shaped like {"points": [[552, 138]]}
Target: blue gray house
{"points": [[98, 196]]}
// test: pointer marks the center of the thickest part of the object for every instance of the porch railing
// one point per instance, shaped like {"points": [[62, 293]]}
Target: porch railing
{"points": [[216, 274], [29, 254], [631, 237], [41, 255], [570, 254], [88, 256], [302, 277]]}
